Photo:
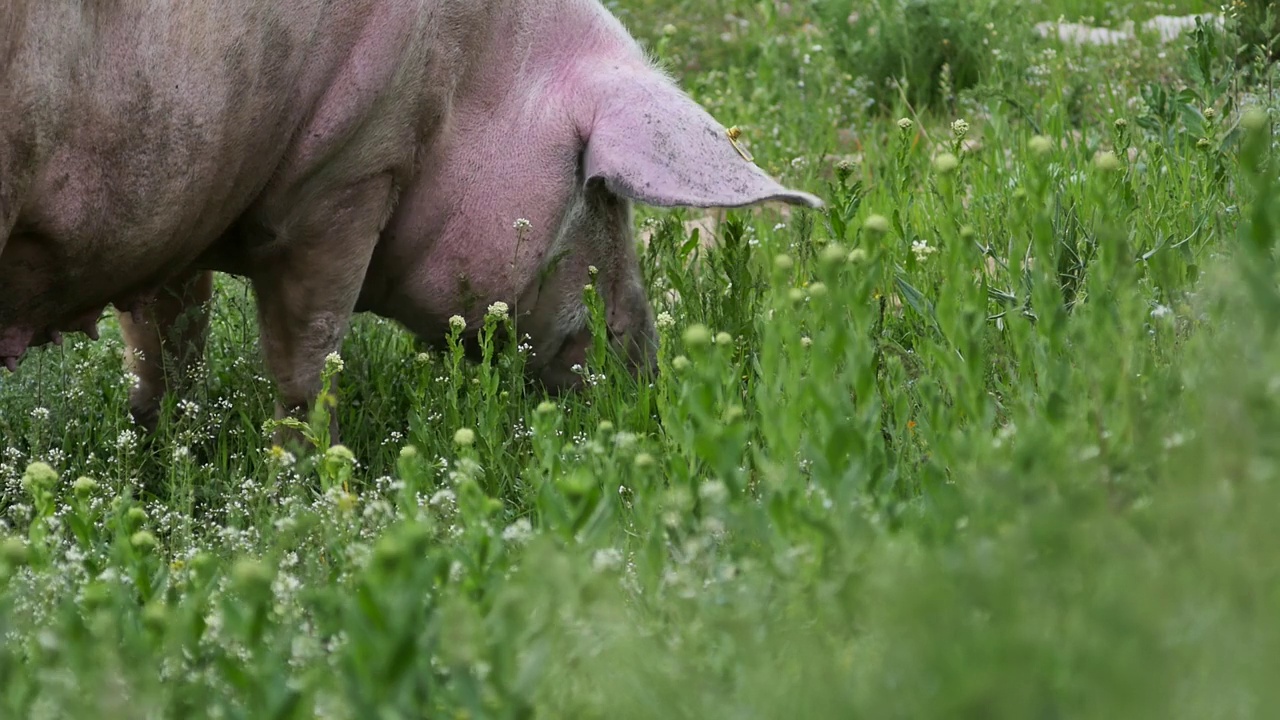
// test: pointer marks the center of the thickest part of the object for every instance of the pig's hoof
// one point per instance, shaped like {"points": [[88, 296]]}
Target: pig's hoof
{"points": [[146, 416], [292, 440]]}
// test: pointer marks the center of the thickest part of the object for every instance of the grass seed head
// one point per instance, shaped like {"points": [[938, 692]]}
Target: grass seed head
{"points": [[39, 476], [251, 577], [697, 335], [876, 224], [14, 552], [1106, 161], [1254, 119], [143, 540], [833, 254]]}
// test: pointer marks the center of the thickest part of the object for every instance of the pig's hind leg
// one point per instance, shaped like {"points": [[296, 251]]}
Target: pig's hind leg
{"points": [[165, 342]]}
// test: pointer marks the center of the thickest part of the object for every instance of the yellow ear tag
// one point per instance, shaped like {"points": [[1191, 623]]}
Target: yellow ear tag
{"points": [[734, 133]]}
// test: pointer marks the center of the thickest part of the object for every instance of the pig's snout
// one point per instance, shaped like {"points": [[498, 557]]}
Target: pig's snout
{"points": [[635, 340], [636, 336]]}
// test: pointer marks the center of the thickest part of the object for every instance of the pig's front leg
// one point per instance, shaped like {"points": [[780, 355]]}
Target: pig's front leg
{"points": [[308, 291], [165, 341]]}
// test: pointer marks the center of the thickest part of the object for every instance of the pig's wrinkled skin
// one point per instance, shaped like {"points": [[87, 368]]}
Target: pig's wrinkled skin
{"points": [[344, 156]]}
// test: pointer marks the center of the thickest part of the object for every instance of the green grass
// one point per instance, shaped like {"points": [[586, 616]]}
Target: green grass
{"points": [[998, 440]]}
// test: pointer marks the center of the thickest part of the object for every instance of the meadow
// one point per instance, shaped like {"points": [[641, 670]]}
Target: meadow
{"points": [[996, 434]]}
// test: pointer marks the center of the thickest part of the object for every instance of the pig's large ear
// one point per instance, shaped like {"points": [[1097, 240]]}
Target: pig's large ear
{"points": [[650, 142]]}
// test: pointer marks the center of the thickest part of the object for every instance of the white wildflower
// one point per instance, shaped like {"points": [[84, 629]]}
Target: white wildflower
{"points": [[714, 492], [518, 532], [443, 498], [922, 250], [126, 440], [1005, 434], [281, 457], [606, 560]]}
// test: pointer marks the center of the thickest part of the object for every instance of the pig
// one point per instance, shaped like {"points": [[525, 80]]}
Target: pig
{"points": [[343, 156]]}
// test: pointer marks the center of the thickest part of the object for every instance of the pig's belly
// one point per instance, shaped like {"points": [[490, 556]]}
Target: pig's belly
{"points": [[89, 238]]}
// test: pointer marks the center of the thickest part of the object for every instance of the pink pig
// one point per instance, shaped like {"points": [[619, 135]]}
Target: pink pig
{"points": [[366, 155]]}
